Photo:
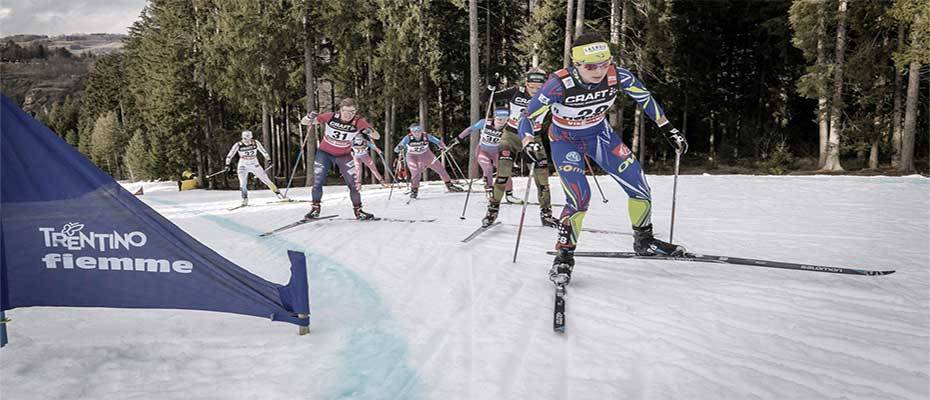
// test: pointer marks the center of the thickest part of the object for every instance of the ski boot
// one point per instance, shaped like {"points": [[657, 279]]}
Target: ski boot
{"points": [[245, 201], [561, 272], [314, 211], [645, 244], [491, 216], [508, 197], [489, 192], [361, 215], [452, 188], [413, 192], [545, 215]]}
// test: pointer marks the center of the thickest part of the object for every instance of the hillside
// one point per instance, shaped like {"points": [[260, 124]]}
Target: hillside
{"points": [[37, 83]]}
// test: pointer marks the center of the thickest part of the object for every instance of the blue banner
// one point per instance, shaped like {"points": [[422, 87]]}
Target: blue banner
{"points": [[72, 236]]}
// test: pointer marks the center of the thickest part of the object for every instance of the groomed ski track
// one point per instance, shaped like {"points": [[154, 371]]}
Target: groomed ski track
{"points": [[405, 311]]}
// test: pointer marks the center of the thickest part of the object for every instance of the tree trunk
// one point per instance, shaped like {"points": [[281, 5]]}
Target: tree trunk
{"points": [[897, 113], [873, 154], [910, 118], [423, 101], [836, 110], [487, 45], [288, 166], [617, 26], [266, 119], [272, 147], [474, 103], [310, 87], [579, 18], [823, 110], [569, 34], [712, 151], [209, 141]]}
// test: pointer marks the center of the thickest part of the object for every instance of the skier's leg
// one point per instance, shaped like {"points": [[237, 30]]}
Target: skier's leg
{"points": [[373, 168], [358, 176], [413, 165], [243, 173], [613, 156], [509, 148], [569, 161], [437, 167], [349, 172], [321, 165], [541, 175], [260, 173], [487, 164]]}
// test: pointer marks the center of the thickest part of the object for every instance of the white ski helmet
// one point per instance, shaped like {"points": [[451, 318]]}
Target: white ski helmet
{"points": [[246, 135]]}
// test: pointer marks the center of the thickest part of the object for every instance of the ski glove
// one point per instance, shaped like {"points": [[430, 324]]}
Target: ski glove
{"points": [[308, 119], [675, 138], [535, 152]]}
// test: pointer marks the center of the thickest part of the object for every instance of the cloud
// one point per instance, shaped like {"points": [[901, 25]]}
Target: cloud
{"points": [[50, 17]]}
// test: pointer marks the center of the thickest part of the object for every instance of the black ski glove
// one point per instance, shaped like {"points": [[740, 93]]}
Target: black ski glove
{"points": [[535, 152], [675, 138]]}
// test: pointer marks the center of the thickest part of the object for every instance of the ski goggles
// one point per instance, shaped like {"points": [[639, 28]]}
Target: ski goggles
{"points": [[535, 77], [592, 53]]}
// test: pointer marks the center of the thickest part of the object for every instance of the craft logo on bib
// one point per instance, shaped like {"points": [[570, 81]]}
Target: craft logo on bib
{"points": [[341, 126]]}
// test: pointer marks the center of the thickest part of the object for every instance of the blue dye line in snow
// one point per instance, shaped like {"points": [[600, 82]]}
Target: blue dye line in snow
{"points": [[375, 360]]}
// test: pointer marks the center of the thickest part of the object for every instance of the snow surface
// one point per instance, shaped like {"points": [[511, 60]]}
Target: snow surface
{"points": [[405, 311]]}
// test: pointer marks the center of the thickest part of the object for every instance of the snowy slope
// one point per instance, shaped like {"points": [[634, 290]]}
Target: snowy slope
{"points": [[405, 311]]}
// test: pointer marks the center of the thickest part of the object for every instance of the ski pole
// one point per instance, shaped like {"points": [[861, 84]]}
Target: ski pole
{"points": [[595, 179], [487, 115], [456, 165], [671, 230], [390, 174], [526, 200], [217, 173], [297, 162]]}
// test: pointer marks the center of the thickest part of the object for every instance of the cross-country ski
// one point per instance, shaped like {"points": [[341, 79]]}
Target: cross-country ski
{"points": [[296, 224]]}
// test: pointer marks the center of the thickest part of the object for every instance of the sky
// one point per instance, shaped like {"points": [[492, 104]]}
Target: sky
{"points": [[49, 17]]}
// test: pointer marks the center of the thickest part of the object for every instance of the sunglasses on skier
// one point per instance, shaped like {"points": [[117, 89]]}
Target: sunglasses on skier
{"points": [[594, 66]]}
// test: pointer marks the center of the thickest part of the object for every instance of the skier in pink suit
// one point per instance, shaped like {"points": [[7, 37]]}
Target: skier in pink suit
{"points": [[420, 157], [488, 146], [360, 148]]}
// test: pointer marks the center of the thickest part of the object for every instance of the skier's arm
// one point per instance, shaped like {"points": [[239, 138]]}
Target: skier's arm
{"points": [[466, 133], [635, 89], [402, 145], [261, 149], [373, 147], [435, 140], [551, 92], [232, 152], [366, 129]]}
